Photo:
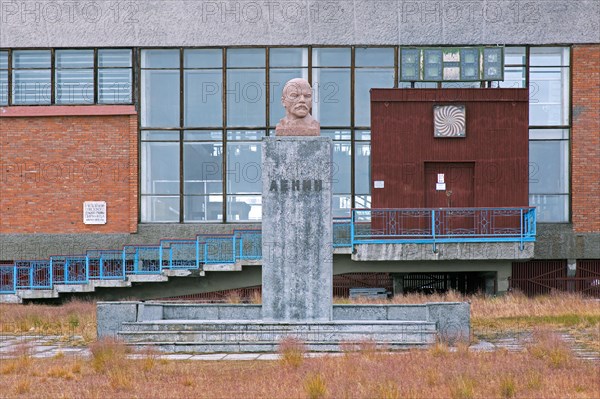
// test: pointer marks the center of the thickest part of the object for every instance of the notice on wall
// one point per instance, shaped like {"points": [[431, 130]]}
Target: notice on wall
{"points": [[440, 186], [94, 212], [440, 177], [379, 184]]}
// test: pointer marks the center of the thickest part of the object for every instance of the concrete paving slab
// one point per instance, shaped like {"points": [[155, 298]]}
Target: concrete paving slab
{"points": [[241, 356], [213, 356], [269, 356], [175, 357]]}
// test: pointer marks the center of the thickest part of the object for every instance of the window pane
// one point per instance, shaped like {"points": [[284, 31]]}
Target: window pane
{"points": [[203, 168], [114, 86], [549, 167], [548, 134], [31, 59], [160, 209], [341, 205], [244, 208], [362, 201], [203, 135], [514, 56], [114, 58], [74, 86], [243, 168], [203, 98], [203, 208], [3, 87], [288, 57], [551, 208], [549, 56], [362, 172], [160, 168], [549, 96], [245, 135], [3, 59], [277, 79], [31, 87], [160, 98], [203, 58], [513, 78], [331, 104], [339, 57], [374, 57], [246, 105], [366, 79], [246, 57], [160, 135], [74, 58], [160, 58]]}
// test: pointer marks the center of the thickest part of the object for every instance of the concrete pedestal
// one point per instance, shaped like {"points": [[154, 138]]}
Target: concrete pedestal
{"points": [[297, 229]]}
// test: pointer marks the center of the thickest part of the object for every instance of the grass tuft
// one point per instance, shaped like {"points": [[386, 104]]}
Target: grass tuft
{"points": [[314, 386], [107, 353], [291, 352]]}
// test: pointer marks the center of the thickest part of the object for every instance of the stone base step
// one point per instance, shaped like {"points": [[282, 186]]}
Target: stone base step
{"points": [[270, 347], [264, 336], [258, 326]]}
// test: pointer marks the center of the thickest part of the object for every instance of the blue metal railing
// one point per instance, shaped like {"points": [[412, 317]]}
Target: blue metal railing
{"points": [[365, 226], [443, 225]]}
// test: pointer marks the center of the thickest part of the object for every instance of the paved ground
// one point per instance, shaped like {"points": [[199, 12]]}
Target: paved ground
{"points": [[47, 346]]}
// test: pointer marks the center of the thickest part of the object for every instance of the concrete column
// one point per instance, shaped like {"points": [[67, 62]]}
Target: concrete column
{"points": [[571, 272], [398, 283], [297, 270]]}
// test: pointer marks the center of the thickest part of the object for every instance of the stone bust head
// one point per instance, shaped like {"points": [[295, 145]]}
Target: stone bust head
{"points": [[297, 101]]}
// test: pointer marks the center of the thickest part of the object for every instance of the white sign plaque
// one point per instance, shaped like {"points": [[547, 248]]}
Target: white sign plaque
{"points": [[440, 186], [94, 212], [440, 178], [379, 184]]}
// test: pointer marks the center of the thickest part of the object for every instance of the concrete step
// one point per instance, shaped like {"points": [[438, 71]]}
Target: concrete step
{"points": [[203, 337], [263, 336], [248, 326], [261, 347]]}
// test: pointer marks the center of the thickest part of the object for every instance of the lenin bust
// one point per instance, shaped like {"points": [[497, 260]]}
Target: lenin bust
{"points": [[297, 101]]}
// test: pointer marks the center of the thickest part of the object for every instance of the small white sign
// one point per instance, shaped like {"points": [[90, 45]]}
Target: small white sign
{"points": [[440, 178], [440, 186], [94, 212], [379, 184]]}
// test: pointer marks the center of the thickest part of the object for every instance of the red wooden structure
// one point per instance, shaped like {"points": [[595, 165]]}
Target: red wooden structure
{"points": [[486, 168]]}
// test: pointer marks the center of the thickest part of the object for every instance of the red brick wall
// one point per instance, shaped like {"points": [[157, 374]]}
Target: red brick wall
{"points": [[51, 164], [585, 139]]}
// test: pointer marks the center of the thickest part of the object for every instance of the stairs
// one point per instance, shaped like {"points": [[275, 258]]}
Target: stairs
{"points": [[210, 336]]}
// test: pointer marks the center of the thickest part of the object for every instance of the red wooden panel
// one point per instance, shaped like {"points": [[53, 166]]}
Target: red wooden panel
{"points": [[496, 143]]}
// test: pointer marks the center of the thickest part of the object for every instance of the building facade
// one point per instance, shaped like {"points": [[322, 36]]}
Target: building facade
{"points": [[158, 109]]}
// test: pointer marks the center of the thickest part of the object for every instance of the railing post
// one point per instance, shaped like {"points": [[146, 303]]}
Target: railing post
{"points": [[352, 212], [170, 256], [124, 265], [101, 266], [197, 254], [50, 271], [136, 258], [433, 229], [30, 275], [15, 277], [522, 246], [66, 271]]}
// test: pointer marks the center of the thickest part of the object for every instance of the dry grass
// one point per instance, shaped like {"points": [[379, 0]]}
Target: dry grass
{"points": [[413, 374], [75, 318]]}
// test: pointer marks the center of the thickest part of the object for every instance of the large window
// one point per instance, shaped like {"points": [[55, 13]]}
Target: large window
{"points": [[549, 132], [3, 77], [204, 112], [66, 77]]}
